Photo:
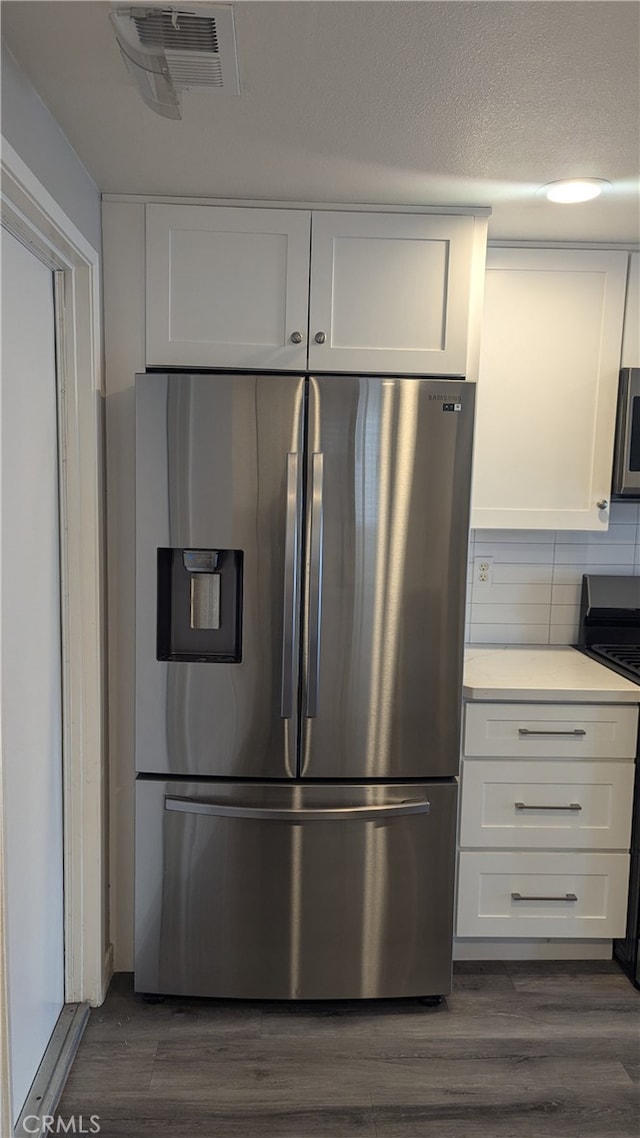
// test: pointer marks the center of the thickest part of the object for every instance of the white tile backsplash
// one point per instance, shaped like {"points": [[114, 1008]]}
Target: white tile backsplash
{"points": [[509, 634], [513, 552], [572, 574], [536, 578], [513, 593], [626, 512], [565, 614], [620, 533], [510, 614], [508, 574], [533, 536], [563, 634], [594, 555], [566, 594]]}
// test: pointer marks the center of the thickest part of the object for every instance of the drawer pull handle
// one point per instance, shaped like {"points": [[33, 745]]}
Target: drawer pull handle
{"points": [[529, 731], [294, 814], [528, 806], [522, 897]]}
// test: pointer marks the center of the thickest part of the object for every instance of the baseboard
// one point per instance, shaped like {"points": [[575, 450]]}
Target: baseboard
{"points": [[477, 948], [53, 1072]]}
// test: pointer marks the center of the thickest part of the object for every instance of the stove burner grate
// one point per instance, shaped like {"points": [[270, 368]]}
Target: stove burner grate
{"points": [[624, 655]]}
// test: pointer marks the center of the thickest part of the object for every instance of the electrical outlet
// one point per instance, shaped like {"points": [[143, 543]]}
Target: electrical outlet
{"points": [[483, 570]]}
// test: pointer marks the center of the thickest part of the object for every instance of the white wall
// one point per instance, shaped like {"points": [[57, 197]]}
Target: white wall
{"points": [[533, 596], [36, 136]]}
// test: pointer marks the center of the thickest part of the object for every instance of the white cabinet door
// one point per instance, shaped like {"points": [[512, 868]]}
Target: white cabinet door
{"points": [[538, 805], [549, 362], [227, 287], [390, 293], [631, 334], [551, 731], [542, 894]]}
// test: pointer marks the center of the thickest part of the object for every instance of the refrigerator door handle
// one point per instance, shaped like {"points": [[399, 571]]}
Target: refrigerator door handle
{"points": [[315, 586], [291, 584], [282, 814]]}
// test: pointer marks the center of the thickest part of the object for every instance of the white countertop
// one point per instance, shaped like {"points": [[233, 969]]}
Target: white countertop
{"points": [[542, 673]]}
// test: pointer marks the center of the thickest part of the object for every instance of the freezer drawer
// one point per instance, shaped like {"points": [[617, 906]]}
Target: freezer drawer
{"points": [[290, 891]]}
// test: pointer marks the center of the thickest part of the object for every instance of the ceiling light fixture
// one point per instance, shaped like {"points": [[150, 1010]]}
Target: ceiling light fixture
{"points": [[571, 190]]}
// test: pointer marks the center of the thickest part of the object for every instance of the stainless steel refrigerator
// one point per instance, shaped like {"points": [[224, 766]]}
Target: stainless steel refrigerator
{"points": [[300, 594]]}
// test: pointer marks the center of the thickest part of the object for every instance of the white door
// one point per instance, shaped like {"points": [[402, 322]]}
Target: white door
{"points": [[31, 668]]}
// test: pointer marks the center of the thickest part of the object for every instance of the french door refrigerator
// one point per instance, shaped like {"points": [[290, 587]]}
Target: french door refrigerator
{"points": [[301, 556]]}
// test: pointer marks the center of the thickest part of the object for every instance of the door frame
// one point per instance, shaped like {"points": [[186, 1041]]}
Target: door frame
{"points": [[29, 212]]}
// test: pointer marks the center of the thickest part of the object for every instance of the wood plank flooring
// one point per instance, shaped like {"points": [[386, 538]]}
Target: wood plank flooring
{"points": [[519, 1050]]}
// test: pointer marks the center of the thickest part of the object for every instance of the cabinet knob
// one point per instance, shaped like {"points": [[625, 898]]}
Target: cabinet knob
{"points": [[602, 504], [296, 337], [320, 337]]}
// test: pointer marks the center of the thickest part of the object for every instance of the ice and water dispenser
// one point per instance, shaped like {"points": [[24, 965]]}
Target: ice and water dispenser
{"points": [[200, 605]]}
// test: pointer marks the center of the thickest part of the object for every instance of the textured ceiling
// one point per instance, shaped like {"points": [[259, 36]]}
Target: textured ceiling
{"points": [[384, 102]]}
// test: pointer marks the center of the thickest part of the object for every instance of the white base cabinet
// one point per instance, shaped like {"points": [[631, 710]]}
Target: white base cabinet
{"points": [[545, 820]]}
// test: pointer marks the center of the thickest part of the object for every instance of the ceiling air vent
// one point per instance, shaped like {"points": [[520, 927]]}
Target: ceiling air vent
{"points": [[168, 50]]}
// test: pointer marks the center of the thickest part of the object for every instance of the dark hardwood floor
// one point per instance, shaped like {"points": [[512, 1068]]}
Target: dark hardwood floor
{"points": [[519, 1050]]}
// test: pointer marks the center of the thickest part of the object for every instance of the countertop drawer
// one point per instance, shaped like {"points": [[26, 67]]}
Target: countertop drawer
{"points": [[542, 894], [562, 731], [552, 805]]}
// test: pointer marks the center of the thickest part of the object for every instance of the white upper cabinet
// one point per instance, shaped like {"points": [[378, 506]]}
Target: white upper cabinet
{"points": [[233, 288], [631, 336], [391, 292], [549, 363], [227, 287]]}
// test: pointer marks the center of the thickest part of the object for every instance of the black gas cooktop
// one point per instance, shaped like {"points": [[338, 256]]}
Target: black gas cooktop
{"points": [[610, 622]]}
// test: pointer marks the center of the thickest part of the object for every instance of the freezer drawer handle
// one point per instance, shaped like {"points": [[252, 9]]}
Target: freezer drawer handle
{"points": [[321, 814], [315, 587], [528, 806], [528, 731], [291, 584], [523, 897]]}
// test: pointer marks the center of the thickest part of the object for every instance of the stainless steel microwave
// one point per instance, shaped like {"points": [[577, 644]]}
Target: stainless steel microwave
{"points": [[626, 462]]}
